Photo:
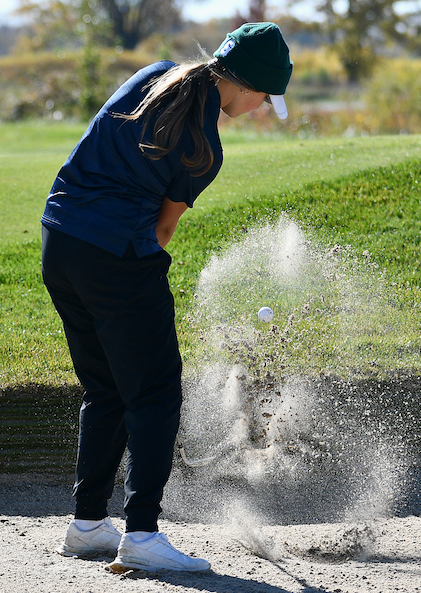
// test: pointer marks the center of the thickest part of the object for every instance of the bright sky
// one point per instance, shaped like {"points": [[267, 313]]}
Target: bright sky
{"points": [[204, 10], [196, 10]]}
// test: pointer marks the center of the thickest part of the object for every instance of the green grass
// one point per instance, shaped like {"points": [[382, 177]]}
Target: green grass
{"points": [[270, 166], [30, 156], [364, 192], [370, 322]]}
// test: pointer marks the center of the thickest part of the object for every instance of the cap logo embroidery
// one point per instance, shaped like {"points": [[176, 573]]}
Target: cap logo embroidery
{"points": [[227, 47]]}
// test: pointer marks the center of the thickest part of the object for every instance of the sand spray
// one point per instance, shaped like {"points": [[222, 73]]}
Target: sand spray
{"points": [[291, 444]]}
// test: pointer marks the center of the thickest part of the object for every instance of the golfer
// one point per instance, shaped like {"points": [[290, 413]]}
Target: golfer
{"points": [[114, 206]]}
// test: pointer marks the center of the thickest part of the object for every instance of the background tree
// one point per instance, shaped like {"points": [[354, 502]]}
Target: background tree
{"points": [[411, 27], [50, 25], [59, 23], [256, 14], [359, 31], [132, 21]]}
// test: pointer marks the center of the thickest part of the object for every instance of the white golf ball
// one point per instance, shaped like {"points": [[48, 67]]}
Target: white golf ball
{"points": [[265, 314]]}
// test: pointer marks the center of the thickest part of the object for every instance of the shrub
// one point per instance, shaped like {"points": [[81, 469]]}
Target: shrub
{"points": [[393, 96], [62, 85]]}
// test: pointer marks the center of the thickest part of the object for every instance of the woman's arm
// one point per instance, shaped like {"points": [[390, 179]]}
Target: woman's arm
{"points": [[167, 220]]}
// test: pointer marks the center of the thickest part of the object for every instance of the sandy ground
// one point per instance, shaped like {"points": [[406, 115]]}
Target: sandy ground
{"points": [[381, 555]]}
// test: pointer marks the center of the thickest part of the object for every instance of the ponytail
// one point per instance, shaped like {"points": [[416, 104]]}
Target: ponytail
{"points": [[184, 90]]}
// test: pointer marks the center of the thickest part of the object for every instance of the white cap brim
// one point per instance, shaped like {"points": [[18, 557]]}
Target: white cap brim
{"points": [[279, 106]]}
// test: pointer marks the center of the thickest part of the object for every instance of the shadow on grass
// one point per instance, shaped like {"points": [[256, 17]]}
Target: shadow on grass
{"points": [[38, 429]]}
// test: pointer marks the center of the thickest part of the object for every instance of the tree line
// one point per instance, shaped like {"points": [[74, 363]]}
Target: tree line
{"points": [[359, 31]]}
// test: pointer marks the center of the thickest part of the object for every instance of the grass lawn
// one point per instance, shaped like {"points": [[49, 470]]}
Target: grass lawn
{"points": [[363, 192], [256, 167]]}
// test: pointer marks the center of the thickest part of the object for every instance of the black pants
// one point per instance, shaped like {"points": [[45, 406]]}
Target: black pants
{"points": [[118, 315]]}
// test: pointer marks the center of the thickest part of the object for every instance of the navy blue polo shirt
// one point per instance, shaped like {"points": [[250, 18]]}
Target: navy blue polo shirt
{"points": [[108, 193]]}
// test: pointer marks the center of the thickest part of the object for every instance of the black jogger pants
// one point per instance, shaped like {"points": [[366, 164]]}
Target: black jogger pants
{"points": [[118, 316]]}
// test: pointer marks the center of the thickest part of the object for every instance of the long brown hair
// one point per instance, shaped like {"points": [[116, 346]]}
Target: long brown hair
{"points": [[183, 90]]}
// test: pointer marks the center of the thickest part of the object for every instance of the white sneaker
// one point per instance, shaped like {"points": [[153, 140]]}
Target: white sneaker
{"points": [[104, 538], [153, 554]]}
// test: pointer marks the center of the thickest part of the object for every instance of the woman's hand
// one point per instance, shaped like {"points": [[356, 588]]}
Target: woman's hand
{"points": [[167, 220]]}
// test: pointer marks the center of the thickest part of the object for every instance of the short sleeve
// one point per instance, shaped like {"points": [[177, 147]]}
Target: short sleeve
{"points": [[186, 187], [185, 184], [182, 188]]}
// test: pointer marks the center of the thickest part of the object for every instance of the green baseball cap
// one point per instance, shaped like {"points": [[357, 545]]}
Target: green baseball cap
{"points": [[257, 54]]}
